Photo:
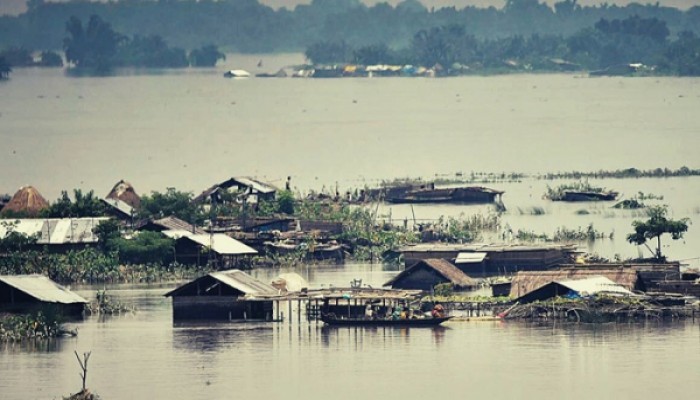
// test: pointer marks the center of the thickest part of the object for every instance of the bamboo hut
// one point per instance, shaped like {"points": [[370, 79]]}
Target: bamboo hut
{"points": [[528, 281], [26, 202]]}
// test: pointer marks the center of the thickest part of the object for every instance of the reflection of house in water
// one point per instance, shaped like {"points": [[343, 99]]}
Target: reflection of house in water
{"points": [[30, 293], [491, 259], [425, 274], [224, 295]]}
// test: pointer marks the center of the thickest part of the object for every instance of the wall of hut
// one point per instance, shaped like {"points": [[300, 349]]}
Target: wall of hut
{"points": [[221, 308], [18, 302]]}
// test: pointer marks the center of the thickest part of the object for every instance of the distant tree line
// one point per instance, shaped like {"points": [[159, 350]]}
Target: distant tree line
{"points": [[633, 40], [97, 46], [248, 26]]}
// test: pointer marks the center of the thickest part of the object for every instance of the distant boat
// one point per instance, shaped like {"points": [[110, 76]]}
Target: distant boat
{"points": [[429, 194], [237, 73], [588, 196]]}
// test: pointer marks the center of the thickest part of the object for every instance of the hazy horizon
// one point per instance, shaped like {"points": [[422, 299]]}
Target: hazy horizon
{"points": [[16, 7]]}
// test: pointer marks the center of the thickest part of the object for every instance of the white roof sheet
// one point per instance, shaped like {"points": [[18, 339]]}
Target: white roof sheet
{"points": [[220, 243], [256, 185], [122, 206], [596, 284], [54, 230], [42, 288], [468, 258], [245, 283]]}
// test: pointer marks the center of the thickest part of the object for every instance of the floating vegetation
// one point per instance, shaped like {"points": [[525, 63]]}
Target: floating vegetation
{"points": [[531, 211], [647, 196], [582, 212], [629, 204], [623, 173], [105, 304], [14, 328], [563, 234], [564, 192]]}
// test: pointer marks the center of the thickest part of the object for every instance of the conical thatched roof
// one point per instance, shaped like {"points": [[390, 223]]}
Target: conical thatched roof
{"points": [[125, 192], [26, 201]]}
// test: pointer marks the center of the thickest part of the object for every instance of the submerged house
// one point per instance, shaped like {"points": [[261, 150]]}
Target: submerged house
{"points": [[575, 288], [168, 224], [528, 281], [30, 293], [492, 259], [207, 248], [224, 295], [425, 274], [246, 189]]}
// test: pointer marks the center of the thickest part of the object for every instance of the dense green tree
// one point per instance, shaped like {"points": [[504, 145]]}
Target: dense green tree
{"points": [[83, 205], [444, 46], [5, 68], [682, 57], [285, 202], [145, 248], [206, 56], [93, 46], [373, 54], [17, 56], [657, 225], [329, 53], [108, 233], [172, 203], [50, 59], [151, 52]]}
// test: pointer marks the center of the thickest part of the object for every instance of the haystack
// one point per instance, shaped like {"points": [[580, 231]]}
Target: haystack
{"points": [[125, 192], [27, 201]]}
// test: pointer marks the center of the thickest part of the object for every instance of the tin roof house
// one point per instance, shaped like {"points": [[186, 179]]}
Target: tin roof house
{"points": [[29, 293], [225, 295]]}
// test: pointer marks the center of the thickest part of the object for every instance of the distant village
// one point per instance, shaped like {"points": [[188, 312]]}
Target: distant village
{"points": [[220, 250]]}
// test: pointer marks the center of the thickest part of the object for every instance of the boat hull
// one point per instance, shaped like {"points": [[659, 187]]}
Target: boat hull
{"points": [[383, 322]]}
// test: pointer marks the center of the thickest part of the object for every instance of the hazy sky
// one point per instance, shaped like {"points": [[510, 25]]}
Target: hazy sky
{"points": [[18, 6]]}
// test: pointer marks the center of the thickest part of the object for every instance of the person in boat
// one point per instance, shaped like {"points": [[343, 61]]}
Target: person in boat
{"points": [[438, 311]]}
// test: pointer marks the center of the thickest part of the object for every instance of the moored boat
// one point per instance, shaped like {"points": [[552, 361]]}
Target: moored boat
{"points": [[332, 319]]}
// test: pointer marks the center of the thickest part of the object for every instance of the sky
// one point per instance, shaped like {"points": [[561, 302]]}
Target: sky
{"points": [[14, 7]]}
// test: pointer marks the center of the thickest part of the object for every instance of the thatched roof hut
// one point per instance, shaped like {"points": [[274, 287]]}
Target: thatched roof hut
{"points": [[125, 192], [27, 201], [528, 281], [425, 274]]}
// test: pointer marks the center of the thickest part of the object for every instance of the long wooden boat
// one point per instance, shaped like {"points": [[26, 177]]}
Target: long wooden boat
{"points": [[330, 319]]}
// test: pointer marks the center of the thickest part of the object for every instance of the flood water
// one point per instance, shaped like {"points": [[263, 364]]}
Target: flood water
{"points": [[189, 129], [147, 356]]}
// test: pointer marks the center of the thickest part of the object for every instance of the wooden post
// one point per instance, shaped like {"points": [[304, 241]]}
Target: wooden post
{"points": [[299, 311], [289, 302], [83, 365]]}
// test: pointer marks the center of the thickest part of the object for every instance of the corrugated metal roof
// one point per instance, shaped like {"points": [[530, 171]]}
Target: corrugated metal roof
{"points": [[255, 185], [54, 230], [468, 258], [42, 288], [218, 242], [238, 279], [233, 278], [119, 205], [528, 281], [593, 285], [174, 223]]}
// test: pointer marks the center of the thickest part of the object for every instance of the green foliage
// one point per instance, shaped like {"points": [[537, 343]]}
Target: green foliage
{"points": [[83, 205], [285, 202], [150, 52], [145, 248], [206, 56], [329, 52], [657, 225], [17, 56], [36, 325], [50, 59], [444, 289], [558, 192], [172, 203], [108, 234], [93, 46], [15, 241]]}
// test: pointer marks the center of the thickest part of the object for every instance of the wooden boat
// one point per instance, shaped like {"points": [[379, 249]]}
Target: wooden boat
{"points": [[332, 319]]}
